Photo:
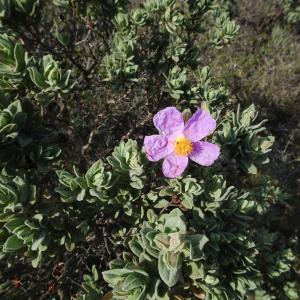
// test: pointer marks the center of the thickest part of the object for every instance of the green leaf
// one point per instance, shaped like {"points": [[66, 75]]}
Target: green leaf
{"points": [[38, 242], [12, 244], [169, 267], [13, 224], [36, 260], [19, 57], [37, 78]]}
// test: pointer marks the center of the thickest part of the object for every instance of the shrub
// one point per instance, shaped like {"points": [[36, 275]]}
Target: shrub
{"points": [[205, 231]]}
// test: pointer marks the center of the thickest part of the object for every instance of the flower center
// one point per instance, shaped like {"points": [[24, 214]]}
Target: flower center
{"points": [[183, 146]]}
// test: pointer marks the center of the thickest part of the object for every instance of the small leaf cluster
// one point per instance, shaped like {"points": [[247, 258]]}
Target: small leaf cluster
{"points": [[177, 48], [12, 62], [225, 30], [22, 136], [176, 81], [120, 64], [49, 77], [196, 87], [204, 88], [244, 137], [44, 76], [30, 224], [118, 190], [90, 285], [291, 10], [8, 8]]}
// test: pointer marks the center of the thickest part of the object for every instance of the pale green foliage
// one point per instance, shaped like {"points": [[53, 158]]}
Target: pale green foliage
{"points": [[154, 6], [12, 62], [120, 64], [49, 77], [176, 81], [262, 295], [278, 262], [61, 3], [139, 17], [291, 10], [91, 286], [127, 161], [26, 228], [172, 248], [17, 140], [5, 9], [176, 48], [119, 189], [244, 137], [122, 22], [128, 280], [17, 196], [46, 74], [196, 87], [291, 290], [12, 120], [94, 185], [224, 31], [267, 193], [30, 224], [186, 190], [204, 89], [25, 7], [28, 7], [172, 19], [174, 245], [169, 244], [283, 262]]}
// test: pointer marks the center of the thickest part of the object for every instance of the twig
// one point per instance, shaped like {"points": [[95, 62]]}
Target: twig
{"points": [[291, 136], [73, 61], [85, 148], [73, 281], [105, 241], [84, 39]]}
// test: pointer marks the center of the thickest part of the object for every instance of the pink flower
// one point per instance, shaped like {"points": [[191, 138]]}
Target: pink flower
{"points": [[177, 142]]}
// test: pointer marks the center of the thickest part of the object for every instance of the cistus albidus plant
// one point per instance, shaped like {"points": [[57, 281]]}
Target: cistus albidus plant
{"points": [[182, 213]]}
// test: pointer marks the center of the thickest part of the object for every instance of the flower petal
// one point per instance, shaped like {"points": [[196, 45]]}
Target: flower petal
{"points": [[174, 165], [169, 121], [205, 153], [157, 147], [200, 125]]}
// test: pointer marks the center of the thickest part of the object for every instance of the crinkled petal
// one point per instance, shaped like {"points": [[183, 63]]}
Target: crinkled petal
{"points": [[169, 121], [200, 125], [157, 147], [174, 165], [205, 153]]}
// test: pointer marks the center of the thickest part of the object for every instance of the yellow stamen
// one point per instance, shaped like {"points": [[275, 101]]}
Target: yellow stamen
{"points": [[183, 146]]}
